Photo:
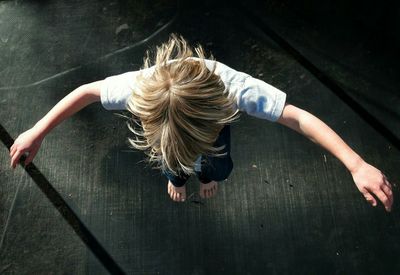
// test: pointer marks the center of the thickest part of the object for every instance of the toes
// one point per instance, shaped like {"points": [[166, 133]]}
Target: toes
{"points": [[206, 193], [169, 187], [182, 196], [211, 191], [176, 196]]}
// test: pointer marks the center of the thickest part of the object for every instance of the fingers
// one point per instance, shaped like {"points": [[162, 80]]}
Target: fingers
{"points": [[387, 182], [31, 155], [387, 189], [385, 199], [15, 158], [12, 150], [369, 198], [376, 186], [16, 154]]}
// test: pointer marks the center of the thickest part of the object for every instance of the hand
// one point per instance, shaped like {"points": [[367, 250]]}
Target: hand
{"points": [[370, 180], [27, 142]]}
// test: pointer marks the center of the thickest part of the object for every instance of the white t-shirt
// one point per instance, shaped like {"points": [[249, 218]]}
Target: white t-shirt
{"points": [[253, 96]]}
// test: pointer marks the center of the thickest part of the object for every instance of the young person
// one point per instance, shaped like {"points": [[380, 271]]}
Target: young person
{"points": [[182, 108]]}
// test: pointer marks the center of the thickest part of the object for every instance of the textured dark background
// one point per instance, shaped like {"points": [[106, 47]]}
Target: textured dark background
{"points": [[289, 207]]}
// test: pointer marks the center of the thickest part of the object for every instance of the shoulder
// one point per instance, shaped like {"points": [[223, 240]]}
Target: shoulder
{"points": [[116, 89], [228, 74]]}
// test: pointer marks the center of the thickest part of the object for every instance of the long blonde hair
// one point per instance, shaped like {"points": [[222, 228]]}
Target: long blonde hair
{"points": [[180, 108]]}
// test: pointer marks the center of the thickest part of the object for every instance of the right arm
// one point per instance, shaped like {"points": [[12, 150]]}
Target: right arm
{"points": [[30, 141]]}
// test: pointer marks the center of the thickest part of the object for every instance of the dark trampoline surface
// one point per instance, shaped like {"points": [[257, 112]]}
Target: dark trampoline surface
{"points": [[289, 207]]}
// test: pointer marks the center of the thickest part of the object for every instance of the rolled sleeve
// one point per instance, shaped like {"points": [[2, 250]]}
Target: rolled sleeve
{"points": [[260, 99]]}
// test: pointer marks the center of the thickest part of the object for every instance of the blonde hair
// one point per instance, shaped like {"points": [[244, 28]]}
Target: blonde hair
{"points": [[180, 108]]}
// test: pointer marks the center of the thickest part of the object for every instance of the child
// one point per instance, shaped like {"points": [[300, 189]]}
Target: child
{"points": [[183, 106]]}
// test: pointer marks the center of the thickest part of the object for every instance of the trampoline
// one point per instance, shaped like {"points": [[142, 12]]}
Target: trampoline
{"points": [[90, 205]]}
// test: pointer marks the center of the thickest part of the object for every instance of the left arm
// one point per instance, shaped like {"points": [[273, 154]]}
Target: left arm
{"points": [[368, 179]]}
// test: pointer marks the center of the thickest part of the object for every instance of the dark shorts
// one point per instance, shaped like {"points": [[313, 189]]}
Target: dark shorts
{"points": [[212, 168]]}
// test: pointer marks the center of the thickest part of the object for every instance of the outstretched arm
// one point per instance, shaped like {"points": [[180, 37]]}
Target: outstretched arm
{"points": [[30, 141], [368, 179]]}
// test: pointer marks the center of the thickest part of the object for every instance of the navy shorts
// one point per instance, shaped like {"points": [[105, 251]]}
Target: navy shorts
{"points": [[212, 168]]}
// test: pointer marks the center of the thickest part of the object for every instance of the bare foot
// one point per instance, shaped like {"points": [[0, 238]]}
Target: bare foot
{"points": [[177, 193], [208, 190]]}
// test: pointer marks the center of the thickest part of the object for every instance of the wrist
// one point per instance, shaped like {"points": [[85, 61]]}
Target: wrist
{"points": [[40, 129], [355, 164]]}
